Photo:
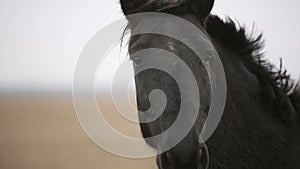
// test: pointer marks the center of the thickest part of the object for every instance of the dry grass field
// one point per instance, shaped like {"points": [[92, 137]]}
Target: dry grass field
{"points": [[41, 131]]}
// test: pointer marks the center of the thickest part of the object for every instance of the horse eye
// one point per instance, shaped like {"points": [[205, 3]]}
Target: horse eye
{"points": [[137, 61]]}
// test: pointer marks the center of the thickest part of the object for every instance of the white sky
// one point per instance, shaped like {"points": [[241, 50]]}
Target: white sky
{"points": [[41, 40]]}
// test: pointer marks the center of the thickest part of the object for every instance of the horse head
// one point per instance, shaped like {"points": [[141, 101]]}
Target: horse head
{"points": [[260, 117]]}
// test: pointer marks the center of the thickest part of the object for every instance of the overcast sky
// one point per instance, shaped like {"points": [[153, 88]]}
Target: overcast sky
{"points": [[41, 40]]}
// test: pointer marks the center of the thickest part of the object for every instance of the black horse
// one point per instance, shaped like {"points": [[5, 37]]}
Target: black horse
{"points": [[260, 128]]}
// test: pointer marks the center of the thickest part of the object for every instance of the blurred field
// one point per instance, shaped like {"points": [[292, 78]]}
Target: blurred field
{"points": [[41, 131]]}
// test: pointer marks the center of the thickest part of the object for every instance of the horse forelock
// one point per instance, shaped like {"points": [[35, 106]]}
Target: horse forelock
{"points": [[154, 5]]}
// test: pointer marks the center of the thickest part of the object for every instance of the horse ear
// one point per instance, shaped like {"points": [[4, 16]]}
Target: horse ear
{"points": [[125, 6], [128, 6]]}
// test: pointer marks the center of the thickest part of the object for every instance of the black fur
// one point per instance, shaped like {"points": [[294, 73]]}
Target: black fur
{"points": [[260, 127], [275, 83]]}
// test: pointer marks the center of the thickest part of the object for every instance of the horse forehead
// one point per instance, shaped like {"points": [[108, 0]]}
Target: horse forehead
{"points": [[142, 41]]}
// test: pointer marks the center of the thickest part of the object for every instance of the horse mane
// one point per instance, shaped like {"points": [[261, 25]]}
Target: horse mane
{"points": [[295, 97], [276, 85]]}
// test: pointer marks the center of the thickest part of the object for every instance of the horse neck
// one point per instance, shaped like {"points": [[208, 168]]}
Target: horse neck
{"points": [[295, 99]]}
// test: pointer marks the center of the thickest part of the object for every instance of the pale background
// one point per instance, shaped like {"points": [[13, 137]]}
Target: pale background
{"points": [[40, 42], [42, 39]]}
